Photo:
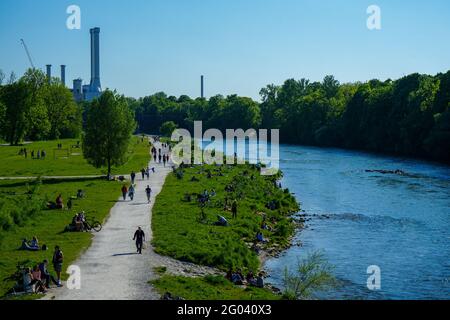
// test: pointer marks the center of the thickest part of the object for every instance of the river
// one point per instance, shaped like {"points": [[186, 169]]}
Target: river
{"points": [[400, 223], [357, 219]]}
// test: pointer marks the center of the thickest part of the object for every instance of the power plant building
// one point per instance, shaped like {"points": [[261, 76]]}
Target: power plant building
{"points": [[93, 90]]}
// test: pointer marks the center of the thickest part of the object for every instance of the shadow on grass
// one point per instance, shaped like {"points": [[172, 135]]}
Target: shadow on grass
{"points": [[22, 183]]}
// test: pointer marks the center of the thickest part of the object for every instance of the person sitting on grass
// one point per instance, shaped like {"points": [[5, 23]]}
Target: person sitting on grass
{"points": [[250, 278], [27, 279], [260, 280], [59, 202], [37, 280], [34, 243], [32, 246], [237, 278], [80, 194], [221, 221], [45, 275], [260, 237]]}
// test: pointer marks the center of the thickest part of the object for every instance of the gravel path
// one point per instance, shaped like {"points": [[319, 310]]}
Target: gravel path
{"points": [[110, 268]]}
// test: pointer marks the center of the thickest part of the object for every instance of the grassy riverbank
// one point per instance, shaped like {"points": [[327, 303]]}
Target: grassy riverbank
{"points": [[210, 288], [180, 230], [30, 219], [68, 161]]}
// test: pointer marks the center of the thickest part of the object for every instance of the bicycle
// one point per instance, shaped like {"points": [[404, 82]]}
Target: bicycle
{"points": [[92, 225]]}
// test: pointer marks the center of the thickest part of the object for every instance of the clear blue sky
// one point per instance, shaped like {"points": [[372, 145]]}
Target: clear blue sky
{"points": [[239, 45]]}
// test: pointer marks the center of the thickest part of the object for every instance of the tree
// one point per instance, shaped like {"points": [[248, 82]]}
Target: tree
{"points": [[313, 273], [167, 128], [64, 115], [14, 98], [108, 132]]}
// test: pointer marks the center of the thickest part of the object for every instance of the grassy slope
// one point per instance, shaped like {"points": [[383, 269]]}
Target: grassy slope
{"points": [[12, 164], [177, 231], [209, 288], [49, 224]]}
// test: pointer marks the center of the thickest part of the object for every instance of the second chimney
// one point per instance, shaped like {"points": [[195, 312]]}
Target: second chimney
{"points": [[49, 72]]}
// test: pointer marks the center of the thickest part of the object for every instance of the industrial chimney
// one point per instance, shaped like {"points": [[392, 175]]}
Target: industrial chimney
{"points": [[63, 74], [201, 87], [49, 72], [95, 60]]}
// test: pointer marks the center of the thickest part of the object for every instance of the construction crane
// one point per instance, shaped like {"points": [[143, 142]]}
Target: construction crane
{"points": [[28, 52]]}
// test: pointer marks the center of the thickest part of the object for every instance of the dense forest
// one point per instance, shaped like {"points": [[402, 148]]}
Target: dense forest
{"points": [[409, 116]]}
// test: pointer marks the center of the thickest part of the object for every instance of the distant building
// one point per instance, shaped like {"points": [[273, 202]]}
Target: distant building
{"points": [[93, 90]]}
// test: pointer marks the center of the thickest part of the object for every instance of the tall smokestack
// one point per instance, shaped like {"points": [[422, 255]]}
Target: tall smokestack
{"points": [[201, 87], [63, 74], [95, 59], [49, 72]]}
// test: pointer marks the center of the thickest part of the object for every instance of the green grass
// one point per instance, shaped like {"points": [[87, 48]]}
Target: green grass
{"points": [[209, 288], [48, 225], [179, 232], [12, 164]]}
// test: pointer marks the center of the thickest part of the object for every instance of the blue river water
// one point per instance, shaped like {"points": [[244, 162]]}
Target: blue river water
{"points": [[400, 223]]}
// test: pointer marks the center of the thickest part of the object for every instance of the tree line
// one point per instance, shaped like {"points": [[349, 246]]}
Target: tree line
{"points": [[34, 108], [409, 116]]}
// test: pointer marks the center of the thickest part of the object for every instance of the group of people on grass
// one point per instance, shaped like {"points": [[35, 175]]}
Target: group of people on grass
{"points": [[38, 278], [78, 222], [39, 154], [238, 278]]}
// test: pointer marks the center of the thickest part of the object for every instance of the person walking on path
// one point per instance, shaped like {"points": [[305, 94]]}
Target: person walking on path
{"points": [[131, 192], [164, 160], [57, 263], [147, 172], [234, 209], [139, 236], [143, 173], [132, 175], [159, 158], [148, 191], [124, 192]]}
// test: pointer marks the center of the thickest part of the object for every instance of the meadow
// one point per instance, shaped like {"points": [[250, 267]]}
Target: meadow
{"points": [[67, 161], [182, 231], [48, 225], [210, 288]]}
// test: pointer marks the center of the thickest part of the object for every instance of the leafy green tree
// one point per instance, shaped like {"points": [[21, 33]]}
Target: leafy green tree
{"points": [[313, 274], [108, 132], [14, 98], [167, 128], [64, 114]]}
